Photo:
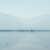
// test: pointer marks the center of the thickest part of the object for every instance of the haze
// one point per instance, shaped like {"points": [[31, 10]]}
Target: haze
{"points": [[24, 13]]}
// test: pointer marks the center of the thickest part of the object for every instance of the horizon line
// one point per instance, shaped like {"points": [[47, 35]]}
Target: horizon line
{"points": [[24, 30]]}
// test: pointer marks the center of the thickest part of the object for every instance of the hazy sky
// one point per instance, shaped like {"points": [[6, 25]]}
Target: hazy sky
{"points": [[25, 7], [26, 12]]}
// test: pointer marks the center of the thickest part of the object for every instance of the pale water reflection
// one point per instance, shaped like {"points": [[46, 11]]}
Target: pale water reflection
{"points": [[24, 40]]}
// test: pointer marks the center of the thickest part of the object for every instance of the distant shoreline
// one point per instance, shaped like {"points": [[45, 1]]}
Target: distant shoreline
{"points": [[24, 30]]}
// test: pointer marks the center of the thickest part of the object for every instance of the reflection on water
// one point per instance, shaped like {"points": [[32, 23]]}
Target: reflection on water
{"points": [[24, 40]]}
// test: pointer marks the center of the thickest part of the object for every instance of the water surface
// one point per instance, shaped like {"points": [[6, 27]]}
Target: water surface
{"points": [[24, 40]]}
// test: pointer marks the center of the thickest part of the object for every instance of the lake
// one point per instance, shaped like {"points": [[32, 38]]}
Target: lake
{"points": [[24, 40]]}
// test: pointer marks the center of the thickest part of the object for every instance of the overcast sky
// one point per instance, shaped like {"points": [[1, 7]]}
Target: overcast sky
{"points": [[25, 10], [25, 7]]}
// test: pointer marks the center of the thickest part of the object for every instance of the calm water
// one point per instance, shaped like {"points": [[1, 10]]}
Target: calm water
{"points": [[24, 40]]}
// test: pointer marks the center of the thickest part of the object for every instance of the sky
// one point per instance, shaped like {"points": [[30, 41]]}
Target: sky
{"points": [[25, 11], [25, 7]]}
